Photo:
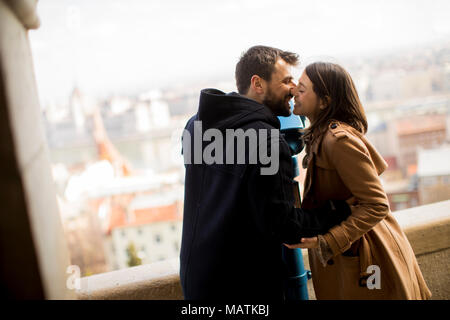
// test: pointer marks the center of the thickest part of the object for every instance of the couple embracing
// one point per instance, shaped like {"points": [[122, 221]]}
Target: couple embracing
{"points": [[237, 216]]}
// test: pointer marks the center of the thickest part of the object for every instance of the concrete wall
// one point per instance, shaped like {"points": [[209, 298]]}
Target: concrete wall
{"points": [[33, 250], [427, 228]]}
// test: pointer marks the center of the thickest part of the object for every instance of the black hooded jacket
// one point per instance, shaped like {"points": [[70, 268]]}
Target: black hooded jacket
{"points": [[236, 219]]}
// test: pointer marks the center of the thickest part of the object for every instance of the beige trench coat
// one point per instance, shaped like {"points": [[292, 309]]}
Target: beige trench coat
{"points": [[343, 165]]}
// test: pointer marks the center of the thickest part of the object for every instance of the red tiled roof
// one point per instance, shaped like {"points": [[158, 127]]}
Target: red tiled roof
{"points": [[156, 214], [421, 124], [118, 216]]}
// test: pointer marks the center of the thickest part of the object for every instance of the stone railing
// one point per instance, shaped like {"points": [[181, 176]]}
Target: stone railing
{"points": [[155, 281], [427, 228]]}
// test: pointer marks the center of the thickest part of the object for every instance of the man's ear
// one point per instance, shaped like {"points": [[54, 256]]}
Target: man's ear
{"points": [[258, 85]]}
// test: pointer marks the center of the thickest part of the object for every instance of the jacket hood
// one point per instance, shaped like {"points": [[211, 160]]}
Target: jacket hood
{"points": [[231, 110]]}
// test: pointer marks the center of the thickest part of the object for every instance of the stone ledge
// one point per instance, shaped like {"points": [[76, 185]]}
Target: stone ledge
{"points": [[154, 281], [428, 234]]}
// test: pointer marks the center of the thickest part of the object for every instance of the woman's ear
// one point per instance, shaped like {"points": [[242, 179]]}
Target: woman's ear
{"points": [[325, 102]]}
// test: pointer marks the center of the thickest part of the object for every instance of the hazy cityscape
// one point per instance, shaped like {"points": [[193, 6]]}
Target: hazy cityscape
{"points": [[119, 172]]}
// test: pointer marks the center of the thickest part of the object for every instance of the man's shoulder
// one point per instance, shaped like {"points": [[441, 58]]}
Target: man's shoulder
{"points": [[191, 120], [258, 124], [269, 135]]}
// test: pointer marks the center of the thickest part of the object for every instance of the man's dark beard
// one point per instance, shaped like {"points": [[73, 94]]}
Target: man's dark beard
{"points": [[277, 106]]}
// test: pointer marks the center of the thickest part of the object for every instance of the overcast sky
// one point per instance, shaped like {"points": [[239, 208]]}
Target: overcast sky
{"points": [[126, 46]]}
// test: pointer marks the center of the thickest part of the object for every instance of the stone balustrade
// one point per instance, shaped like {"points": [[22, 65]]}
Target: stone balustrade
{"points": [[427, 228]]}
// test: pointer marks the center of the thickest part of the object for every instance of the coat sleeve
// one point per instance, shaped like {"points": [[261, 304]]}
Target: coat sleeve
{"points": [[353, 163]]}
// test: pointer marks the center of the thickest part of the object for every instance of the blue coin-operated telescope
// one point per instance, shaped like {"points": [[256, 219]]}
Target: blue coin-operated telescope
{"points": [[296, 283]]}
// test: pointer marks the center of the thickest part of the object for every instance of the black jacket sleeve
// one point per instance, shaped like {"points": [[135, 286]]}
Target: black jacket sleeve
{"points": [[271, 199]]}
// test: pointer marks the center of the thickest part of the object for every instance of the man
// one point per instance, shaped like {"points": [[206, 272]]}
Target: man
{"points": [[236, 215]]}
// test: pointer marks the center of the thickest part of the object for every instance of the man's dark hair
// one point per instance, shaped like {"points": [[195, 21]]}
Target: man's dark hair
{"points": [[260, 60]]}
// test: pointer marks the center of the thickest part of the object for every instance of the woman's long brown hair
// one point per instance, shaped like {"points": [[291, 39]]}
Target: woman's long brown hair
{"points": [[335, 87]]}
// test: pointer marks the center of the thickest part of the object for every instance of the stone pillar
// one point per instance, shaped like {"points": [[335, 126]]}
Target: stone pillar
{"points": [[33, 251]]}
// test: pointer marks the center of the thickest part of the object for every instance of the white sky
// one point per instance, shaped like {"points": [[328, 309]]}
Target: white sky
{"points": [[128, 46]]}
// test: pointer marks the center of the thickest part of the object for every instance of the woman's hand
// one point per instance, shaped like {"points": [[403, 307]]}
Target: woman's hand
{"points": [[305, 243]]}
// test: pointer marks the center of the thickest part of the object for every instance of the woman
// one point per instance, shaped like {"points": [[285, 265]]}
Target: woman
{"points": [[343, 165]]}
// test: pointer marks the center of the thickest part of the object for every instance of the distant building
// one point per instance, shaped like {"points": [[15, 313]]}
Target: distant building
{"points": [[401, 194], [158, 108], [84, 237], [398, 127], [383, 136], [152, 223], [76, 106], [434, 175], [386, 85], [447, 120], [424, 131]]}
